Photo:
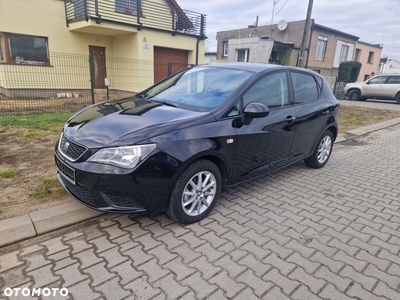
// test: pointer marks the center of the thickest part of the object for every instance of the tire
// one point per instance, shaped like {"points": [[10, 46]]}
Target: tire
{"points": [[398, 98], [195, 192], [354, 95], [322, 151]]}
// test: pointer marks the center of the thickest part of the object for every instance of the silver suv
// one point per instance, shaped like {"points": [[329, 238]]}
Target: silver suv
{"points": [[385, 86]]}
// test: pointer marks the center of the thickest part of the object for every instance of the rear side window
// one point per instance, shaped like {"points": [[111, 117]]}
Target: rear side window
{"points": [[305, 87], [393, 80]]}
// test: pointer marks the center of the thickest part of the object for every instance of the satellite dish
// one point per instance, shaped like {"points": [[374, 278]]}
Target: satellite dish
{"points": [[282, 25]]}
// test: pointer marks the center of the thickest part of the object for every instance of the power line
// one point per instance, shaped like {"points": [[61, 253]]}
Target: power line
{"points": [[392, 7], [277, 11]]}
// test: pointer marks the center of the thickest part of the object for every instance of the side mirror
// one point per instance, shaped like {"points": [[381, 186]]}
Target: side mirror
{"points": [[255, 110]]}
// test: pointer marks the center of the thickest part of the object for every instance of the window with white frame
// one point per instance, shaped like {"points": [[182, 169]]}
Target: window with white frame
{"points": [[225, 48], [321, 47], [344, 53], [24, 49], [242, 55]]}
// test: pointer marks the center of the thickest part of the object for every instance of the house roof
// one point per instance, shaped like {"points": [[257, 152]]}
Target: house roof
{"points": [[372, 45], [322, 27]]}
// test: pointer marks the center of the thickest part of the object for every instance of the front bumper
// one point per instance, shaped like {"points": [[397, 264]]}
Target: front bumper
{"points": [[144, 190]]}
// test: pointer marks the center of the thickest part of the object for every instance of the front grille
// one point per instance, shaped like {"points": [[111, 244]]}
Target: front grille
{"points": [[70, 149], [66, 171], [81, 193], [123, 201]]}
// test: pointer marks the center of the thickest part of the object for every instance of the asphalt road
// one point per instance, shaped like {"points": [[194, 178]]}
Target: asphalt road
{"points": [[295, 234], [372, 103]]}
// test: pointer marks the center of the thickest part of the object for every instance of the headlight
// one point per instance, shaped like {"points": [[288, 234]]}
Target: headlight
{"points": [[125, 157]]}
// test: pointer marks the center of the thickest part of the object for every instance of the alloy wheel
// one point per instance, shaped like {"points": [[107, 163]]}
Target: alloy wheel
{"points": [[199, 193], [324, 149]]}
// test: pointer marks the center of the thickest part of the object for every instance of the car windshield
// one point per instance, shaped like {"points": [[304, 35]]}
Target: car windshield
{"points": [[199, 89]]}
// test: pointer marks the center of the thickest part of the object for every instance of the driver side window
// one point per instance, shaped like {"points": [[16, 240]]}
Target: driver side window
{"points": [[272, 91]]}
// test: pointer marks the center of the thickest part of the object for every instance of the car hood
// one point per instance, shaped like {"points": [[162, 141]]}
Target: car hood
{"points": [[355, 84], [128, 121]]}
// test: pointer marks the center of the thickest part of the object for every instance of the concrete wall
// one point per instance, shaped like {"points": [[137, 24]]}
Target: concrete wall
{"points": [[292, 34], [259, 50]]}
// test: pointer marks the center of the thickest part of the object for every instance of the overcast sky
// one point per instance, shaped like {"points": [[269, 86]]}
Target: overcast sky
{"points": [[374, 21]]}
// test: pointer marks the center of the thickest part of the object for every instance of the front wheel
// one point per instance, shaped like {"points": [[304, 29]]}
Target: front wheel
{"points": [[354, 95], [398, 98], [195, 192], [322, 152]]}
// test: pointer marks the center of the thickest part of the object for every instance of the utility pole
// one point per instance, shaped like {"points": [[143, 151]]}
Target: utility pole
{"points": [[306, 32]]}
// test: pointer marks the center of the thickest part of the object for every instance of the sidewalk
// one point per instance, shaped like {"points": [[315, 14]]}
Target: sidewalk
{"points": [[39, 222]]}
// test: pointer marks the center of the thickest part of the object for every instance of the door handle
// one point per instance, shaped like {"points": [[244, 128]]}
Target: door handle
{"points": [[290, 119]]}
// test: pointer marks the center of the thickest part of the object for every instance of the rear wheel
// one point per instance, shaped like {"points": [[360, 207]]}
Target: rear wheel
{"points": [[195, 192], [354, 95], [322, 152]]}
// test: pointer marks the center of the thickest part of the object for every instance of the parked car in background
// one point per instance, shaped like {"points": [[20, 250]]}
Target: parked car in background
{"points": [[174, 146], [385, 86]]}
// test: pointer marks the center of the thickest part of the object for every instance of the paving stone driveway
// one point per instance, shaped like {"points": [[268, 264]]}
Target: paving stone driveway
{"points": [[297, 234]]}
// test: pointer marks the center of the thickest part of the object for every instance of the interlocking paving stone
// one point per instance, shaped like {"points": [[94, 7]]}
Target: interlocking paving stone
{"points": [[295, 234]]}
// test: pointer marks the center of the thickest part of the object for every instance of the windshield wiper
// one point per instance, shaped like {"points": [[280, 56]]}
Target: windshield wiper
{"points": [[166, 103]]}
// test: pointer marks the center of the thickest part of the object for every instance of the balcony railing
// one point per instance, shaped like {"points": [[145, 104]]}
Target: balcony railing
{"points": [[138, 13]]}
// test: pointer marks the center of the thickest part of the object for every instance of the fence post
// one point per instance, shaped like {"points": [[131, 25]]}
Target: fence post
{"points": [[169, 68], [86, 10], [334, 86], [92, 77]]}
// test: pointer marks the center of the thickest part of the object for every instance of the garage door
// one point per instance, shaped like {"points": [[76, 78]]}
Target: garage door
{"points": [[175, 58]]}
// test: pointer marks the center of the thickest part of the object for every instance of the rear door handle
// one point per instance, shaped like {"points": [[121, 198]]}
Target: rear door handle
{"points": [[290, 119]]}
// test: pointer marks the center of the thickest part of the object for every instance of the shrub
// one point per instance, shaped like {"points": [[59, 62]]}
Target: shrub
{"points": [[349, 71]]}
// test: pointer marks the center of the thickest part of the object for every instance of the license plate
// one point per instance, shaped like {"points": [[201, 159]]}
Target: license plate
{"points": [[65, 171]]}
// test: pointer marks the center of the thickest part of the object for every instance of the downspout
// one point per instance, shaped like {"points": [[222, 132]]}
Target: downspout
{"points": [[199, 38], [197, 50]]}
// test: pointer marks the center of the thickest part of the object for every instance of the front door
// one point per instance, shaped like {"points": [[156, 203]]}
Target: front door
{"points": [[264, 143], [375, 86], [98, 66]]}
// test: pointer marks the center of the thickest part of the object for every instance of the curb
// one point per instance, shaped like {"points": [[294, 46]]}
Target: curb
{"points": [[43, 221], [56, 217]]}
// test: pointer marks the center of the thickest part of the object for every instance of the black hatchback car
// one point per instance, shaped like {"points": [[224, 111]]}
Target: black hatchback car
{"points": [[174, 146]]}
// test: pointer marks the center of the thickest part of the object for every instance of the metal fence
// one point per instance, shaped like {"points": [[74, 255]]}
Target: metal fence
{"points": [[336, 87], [69, 82]]}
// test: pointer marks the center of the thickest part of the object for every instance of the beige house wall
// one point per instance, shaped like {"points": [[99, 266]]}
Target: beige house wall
{"points": [[368, 68], [46, 18], [328, 66]]}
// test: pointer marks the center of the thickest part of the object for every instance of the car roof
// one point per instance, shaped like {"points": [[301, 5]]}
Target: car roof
{"points": [[388, 74], [256, 67]]}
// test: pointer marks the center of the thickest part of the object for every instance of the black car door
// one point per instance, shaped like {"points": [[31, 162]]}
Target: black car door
{"points": [[312, 113], [263, 144]]}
